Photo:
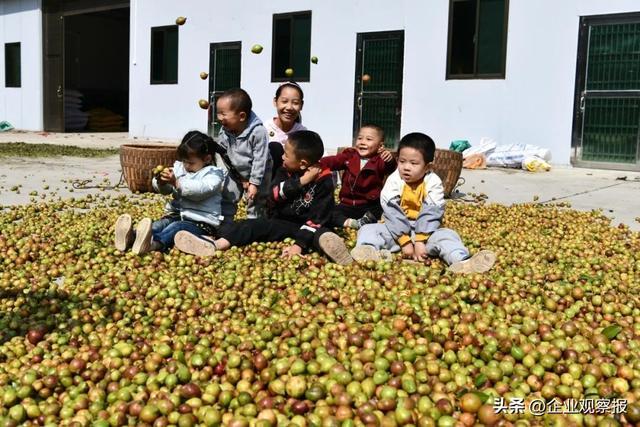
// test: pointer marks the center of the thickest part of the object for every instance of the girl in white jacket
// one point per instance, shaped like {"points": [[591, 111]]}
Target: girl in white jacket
{"points": [[196, 185]]}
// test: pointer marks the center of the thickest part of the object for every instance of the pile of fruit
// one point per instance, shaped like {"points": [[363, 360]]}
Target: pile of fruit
{"points": [[90, 336]]}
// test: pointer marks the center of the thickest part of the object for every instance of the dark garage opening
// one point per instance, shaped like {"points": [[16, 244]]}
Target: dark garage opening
{"points": [[96, 71]]}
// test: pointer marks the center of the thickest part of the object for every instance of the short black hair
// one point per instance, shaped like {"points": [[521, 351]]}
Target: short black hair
{"points": [[307, 145], [240, 100], [421, 142], [376, 128]]}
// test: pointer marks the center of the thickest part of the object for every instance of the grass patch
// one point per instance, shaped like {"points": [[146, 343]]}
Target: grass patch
{"points": [[21, 149]]}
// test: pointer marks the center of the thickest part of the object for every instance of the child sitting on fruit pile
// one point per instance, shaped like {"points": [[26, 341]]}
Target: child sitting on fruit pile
{"points": [[196, 186], [365, 166], [302, 199], [413, 205], [245, 140]]}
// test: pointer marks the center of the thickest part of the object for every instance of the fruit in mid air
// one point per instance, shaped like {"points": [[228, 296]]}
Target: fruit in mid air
{"points": [[180, 20], [288, 72], [314, 59], [256, 48], [204, 75], [366, 78], [204, 104]]}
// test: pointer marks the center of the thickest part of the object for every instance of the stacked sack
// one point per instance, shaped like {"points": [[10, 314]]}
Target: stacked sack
{"points": [[488, 153], [74, 118], [103, 120]]}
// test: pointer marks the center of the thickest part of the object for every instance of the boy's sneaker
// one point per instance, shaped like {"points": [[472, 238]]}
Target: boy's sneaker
{"points": [[124, 232], [142, 244], [367, 218], [366, 253], [478, 263], [333, 246], [191, 244]]}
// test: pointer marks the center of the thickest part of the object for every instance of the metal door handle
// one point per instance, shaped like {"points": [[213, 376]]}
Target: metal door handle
{"points": [[59, 91], [582, 102], [359, 101]]}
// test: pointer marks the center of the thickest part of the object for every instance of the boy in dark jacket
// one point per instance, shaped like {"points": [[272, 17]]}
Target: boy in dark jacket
{"points": [[302, 202], [365, 168]]}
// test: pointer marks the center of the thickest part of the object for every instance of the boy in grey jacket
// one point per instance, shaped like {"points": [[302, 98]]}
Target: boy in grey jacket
{"points": [[413, 204], [196, 186], [246, 142]]}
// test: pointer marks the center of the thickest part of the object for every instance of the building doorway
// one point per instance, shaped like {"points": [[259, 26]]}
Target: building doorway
{"points": [[606, 126], [86, 66]]}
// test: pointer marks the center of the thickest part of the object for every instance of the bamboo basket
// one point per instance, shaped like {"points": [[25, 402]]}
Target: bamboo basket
{"points": [[447, 164], [139, 160]]}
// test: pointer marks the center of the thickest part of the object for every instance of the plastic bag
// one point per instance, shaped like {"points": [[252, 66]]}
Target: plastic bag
{"points": [[459, 145], [512, 155], [5, 126], [475, 161], [485, 146], [535, 164]]}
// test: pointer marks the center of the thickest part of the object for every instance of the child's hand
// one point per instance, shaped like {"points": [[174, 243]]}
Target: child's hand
{"points": [[290, 251], [407, 250], [310, 174], [385, 154], [245, 185], [252, 192], [168, 177], [419, 251]]}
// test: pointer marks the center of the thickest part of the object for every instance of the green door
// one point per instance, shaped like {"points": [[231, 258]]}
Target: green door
{"points": [[607, 125], [224, 74], [378, 83]]}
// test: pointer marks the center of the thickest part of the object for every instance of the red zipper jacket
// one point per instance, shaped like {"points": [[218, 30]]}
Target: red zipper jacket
{"points": [[359, 187]]}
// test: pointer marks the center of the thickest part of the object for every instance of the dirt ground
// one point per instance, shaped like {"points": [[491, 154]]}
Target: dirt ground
{"points": [[616, 193]]}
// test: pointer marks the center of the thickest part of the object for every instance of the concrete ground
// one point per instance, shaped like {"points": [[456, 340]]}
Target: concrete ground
{"points": [[617, 193]]}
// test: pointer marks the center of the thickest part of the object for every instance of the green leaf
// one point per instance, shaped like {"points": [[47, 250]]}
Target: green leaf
{"points": [[305, 292], [612, 331], [483, 396], [480, 380]]}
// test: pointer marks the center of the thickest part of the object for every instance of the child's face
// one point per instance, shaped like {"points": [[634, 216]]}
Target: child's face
{"points": [[194, 163], [288, 105], [290, 161], [233, 121], [368, 142], [412, 166]]}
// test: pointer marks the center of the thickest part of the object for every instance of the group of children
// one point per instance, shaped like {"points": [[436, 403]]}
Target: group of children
{"points": [[288, 186]]}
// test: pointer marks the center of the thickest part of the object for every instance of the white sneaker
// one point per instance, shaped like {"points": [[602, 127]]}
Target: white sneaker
{"points": [[366, 253], [191, 244], [142, 244], [481, 262], [124, 232]]}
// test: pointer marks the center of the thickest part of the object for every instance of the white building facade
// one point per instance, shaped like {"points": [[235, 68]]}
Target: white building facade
{"points": [[533, 101]]}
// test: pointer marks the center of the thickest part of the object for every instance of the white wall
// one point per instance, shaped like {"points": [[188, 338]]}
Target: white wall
{"points": [[533, 104], [21, 21]]}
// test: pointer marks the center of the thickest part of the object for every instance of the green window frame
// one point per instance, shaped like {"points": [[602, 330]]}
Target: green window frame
{"points": [[291, 46], [164, 55], [477, 40], [12, 65]]}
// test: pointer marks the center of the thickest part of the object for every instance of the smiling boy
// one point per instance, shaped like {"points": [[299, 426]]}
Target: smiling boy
{"points": [[365, 167]]}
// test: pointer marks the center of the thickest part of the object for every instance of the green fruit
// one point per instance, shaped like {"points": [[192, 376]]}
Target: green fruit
{"points": [[256, 48], [288, 72], [314, 59]]}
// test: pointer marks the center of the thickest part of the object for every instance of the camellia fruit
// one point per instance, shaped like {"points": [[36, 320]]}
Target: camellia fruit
{"points": [[204, 104], [366, 78], [314, 59], [288, 72], [256, 48], [180, 20], [204, 75]]}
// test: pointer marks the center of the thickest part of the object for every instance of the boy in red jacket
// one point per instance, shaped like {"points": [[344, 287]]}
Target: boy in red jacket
{"points": [[365, 167]]}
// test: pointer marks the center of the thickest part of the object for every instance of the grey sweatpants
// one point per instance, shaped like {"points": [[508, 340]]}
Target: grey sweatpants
{"points": [[233, 191], [443, 243]]}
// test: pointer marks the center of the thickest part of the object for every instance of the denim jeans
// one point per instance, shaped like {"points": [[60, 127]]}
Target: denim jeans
{"points": [[165, 229]]}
